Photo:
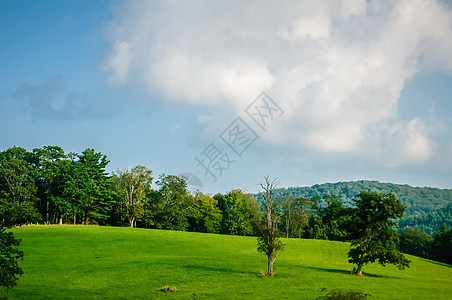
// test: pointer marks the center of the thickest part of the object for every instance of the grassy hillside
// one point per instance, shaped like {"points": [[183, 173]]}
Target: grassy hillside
{"points": [[76, 262]]}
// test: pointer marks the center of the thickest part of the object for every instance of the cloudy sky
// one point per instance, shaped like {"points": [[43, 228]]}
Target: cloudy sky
{"points": [[352, 90]]}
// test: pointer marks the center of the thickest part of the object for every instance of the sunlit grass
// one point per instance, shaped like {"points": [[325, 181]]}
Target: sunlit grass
{"points": [[76, 262]]}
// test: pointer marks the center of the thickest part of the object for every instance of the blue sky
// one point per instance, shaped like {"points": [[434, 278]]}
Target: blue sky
{"points": [[364, 88]]}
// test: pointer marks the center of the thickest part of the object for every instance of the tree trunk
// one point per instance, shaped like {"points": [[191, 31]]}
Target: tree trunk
{"points": [[85, 217], [270, 265], [287, 227], [61, 221], [359, 270], [75, 219], [47, 213], [131, 221]]}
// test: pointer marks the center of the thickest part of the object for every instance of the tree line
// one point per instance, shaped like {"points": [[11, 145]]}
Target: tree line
{"points": [[425, 207], [47, 185]]}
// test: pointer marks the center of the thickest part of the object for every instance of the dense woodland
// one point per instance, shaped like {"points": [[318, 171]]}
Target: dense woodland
{"points": [[48, 186], [425, 207]]}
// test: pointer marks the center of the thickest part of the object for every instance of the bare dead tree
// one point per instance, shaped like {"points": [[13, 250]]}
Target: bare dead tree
{"points": [[268, 240]]}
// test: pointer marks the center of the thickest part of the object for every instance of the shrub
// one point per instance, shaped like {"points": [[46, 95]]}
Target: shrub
{"points": [[339, 294]]}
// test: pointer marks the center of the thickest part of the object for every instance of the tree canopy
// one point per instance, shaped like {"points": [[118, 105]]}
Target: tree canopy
{"points": [[373, 238], [425, 207], [131, 187], [9, 259]]}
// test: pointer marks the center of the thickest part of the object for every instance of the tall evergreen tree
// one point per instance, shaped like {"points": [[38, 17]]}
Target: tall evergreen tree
{"points": [[95, 195]]}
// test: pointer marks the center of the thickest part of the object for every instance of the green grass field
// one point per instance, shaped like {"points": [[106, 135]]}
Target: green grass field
{"points": [[77, 262]]}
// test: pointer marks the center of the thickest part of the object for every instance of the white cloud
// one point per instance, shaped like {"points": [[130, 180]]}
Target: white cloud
{"points": [[336, 68], [192, 79], [316, 27], [353, 7], [118, 63], [410, 143]]}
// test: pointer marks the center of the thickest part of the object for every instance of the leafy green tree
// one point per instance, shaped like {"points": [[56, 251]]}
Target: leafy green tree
{"points": [[204, 214], [239, 212], [168, 207], [118, 211], [415, 241], [294, 215], [73, 191], [430, 221], [372, 236], [9, 259], [17, 189], [17, 176], [329, 218], [442, 245], [17, 199], [427, 208], [268, 234], [53, 172], [9, 254], [132, 186], [66, 200]]}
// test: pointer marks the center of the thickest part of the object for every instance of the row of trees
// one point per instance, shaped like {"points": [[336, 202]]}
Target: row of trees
{"points": [[52, 187], [172, 206], [418, 201], [49, 186], [368, 225], [429, 222], [415, 241]]}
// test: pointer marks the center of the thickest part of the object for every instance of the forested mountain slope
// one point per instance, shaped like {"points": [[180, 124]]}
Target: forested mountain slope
{"points": [[426, 207]]}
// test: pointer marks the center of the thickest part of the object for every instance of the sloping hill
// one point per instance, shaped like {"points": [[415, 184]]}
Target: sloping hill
{"points": [[77, 262], [425, 206]]}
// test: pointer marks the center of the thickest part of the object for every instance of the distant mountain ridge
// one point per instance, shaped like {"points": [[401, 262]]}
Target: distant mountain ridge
{"points": [[422, 203]]}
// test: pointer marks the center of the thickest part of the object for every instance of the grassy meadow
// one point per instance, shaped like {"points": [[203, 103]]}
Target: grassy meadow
{"points": [[89, 262]]}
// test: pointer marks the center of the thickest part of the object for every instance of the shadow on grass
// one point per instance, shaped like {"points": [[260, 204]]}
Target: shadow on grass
{"points": [[218, 270], [435, 262], [347, 272], [337, 271]]}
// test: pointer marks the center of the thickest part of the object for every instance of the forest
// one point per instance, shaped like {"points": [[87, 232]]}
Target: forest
{"points": [[425, 207], [48, 186]]}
